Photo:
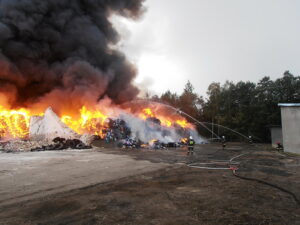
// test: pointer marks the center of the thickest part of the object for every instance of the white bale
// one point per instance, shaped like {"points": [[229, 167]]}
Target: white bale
{"points": [[48, 127]]}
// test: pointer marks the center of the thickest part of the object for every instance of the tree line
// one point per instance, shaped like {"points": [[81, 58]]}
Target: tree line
{"points": [[246, 107]]}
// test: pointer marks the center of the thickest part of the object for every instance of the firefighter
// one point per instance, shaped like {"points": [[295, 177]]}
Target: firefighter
{"points": [[250, 140], [191, 144], [223, 142], [279, 145]]}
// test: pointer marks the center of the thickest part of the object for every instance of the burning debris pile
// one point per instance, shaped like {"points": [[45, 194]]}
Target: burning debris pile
{"points": [[46, 132], [63, 54], [153, 126]]}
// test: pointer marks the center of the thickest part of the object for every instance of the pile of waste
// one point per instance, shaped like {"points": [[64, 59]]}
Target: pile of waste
{"points": [[48, 132], [129, 133], [56, 144], [62, 144], [130, 143], [21, 145], [48, 127], [117, 130]]}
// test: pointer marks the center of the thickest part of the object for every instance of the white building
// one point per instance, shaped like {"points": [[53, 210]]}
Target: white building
{"points": [[290, 119]]}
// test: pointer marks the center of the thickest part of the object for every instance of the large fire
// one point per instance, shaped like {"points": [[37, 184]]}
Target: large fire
{"points": [[15, 123]]}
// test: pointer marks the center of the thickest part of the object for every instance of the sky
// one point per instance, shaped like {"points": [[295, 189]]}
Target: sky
{"points": [[207, 41]]}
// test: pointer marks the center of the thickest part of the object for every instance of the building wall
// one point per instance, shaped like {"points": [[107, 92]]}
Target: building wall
{"points": [[290, 117], [276, 136]]}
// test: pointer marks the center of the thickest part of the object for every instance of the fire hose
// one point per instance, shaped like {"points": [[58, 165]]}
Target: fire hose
{"points": [[233, 166]]}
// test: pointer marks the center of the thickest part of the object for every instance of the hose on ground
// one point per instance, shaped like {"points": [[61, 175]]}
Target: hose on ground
{"points": [[233, 166], [269, 184]]}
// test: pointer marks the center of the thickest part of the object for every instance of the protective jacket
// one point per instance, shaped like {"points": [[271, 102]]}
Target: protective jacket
{"points": [[191, 142]]}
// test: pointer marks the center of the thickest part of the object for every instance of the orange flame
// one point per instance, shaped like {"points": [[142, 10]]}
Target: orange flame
{"points": [[92, 122], [182, 123], [166, 121], [15, 123], [148, 112]]}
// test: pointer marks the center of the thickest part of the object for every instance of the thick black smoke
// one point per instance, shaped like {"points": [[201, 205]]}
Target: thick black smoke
{"points": [[60, 51]]}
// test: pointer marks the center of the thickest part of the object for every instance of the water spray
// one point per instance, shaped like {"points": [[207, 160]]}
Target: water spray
{"points": [[179, 111]]}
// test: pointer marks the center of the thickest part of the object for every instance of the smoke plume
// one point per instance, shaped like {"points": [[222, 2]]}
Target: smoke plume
{"points": [[59, 52]]}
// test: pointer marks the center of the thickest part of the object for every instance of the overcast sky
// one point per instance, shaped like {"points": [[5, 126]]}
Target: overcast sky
{"points": [[212, 40]]}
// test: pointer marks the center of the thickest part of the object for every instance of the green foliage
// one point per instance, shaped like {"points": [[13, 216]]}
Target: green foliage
{"points": [[246, 107]]}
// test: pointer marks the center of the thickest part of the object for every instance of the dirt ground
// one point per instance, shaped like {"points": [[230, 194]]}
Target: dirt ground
{"points": [[169, 193]]}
